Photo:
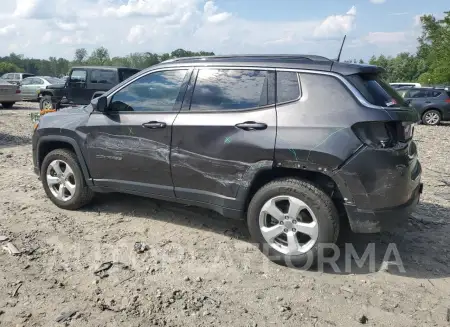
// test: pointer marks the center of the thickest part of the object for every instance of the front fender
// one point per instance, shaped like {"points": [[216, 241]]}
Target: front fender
{"points": [[43, 141]]}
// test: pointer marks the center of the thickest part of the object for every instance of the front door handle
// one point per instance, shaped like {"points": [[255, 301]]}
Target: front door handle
{"points": [[154, 124], [251, 126]]}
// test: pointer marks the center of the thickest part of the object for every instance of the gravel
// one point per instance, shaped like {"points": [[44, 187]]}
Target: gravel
{"points": [[200, 269]]}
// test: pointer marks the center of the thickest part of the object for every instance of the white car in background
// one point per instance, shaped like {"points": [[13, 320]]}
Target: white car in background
{"points": [[32, 86], [405, 85], [9, 94]]}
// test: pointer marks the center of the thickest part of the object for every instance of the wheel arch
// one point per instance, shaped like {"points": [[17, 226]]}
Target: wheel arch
{"points": [[46, 93], [330, 184], [46, 144], [432, 108]]}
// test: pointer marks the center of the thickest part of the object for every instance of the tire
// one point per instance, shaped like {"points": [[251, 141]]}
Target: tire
{"points": [[7, 105], [46, 103], [431, 117], [82, 194], [320, 204]]}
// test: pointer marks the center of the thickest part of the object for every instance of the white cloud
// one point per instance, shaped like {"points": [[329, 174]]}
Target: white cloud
{"points": [[212, 14], [156, 8], [70, 26], [137, 34], [336, 25], [7, 30], [80, 38], [384, 38], [378, 2]]}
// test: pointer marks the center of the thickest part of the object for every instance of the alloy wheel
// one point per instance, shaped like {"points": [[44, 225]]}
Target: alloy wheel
{"points": [[288, 225], [61, 180], [431, 118]]}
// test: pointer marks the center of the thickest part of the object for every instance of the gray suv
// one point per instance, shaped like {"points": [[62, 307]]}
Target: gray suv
{"points": [[297, 145], [432, 104]]}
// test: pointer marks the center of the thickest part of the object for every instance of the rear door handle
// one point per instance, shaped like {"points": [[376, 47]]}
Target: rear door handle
{"points": [[251, 126], [154, 124]]}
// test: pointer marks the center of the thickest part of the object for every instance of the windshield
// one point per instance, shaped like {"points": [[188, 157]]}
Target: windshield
{"points": [[376, 91], [54, 80]]}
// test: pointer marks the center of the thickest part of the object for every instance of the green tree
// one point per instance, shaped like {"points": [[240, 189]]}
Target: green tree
{"points": [[99, 56], [434, 49], [80, 55], [7, 67]]}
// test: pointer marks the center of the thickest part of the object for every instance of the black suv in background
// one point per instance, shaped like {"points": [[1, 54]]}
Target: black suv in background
{"points": [[296, 144], [432, 104], [82, 85]]}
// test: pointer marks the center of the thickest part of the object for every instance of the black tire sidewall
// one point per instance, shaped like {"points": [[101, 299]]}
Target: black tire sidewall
{"points": [[7, 105], [328, 225], [78, 175]]}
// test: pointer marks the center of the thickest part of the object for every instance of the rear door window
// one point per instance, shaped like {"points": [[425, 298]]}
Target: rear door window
{"points": [[103, 76], [230, 89], [376, 91], [417, 94], [288, 88]]}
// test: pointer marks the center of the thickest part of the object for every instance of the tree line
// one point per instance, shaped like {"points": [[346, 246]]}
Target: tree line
{"points": [[99, 57], [430, 65]]}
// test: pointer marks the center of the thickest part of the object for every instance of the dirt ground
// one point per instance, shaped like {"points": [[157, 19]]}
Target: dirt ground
{"points": [[201, 269]]}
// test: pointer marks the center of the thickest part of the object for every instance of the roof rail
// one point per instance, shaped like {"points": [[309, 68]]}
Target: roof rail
{"points": [[250, 56]]}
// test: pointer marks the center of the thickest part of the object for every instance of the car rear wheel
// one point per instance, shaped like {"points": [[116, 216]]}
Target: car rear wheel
{"points": [[290, 219], [63, 180], [431, 117], [7, 105]]}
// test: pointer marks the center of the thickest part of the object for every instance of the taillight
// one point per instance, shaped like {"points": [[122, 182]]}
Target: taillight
{"points": [[18, 91], [383, 134], [447, 100]]}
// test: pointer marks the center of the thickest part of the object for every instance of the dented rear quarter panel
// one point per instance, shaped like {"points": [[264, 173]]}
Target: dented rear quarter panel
{"points": [[315, 133]]}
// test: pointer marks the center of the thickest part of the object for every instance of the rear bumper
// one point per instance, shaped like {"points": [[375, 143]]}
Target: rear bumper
{"points": [[11, 98], [380, 187], [366, 221]]}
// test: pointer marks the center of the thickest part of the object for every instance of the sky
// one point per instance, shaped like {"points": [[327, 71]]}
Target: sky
{"points": [[44, 28]]}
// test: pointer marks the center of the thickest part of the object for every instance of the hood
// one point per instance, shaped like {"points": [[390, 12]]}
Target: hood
{"points": [[55, 86], [65, 118]]}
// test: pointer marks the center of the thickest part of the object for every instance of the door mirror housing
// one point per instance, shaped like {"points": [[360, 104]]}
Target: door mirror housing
{"points": [[100, 104]]}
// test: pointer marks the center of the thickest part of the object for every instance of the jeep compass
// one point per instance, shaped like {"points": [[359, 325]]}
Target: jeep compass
{"points": [[297, 145]]}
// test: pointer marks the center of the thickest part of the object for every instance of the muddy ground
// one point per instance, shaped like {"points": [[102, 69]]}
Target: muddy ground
{"points": [[201, 269]]}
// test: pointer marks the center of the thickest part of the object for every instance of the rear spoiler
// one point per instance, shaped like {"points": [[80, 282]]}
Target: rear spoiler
{"points": [[351, 69]]}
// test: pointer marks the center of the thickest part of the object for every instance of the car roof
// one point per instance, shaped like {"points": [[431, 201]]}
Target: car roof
{"points": [[289, 61], [103, 67]]}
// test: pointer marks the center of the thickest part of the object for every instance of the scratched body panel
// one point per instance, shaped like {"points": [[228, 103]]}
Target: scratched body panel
{"points": [[122, 151], [211, 158]]}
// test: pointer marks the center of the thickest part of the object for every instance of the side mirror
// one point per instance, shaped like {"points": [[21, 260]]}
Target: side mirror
{"points": [[100, 104]]}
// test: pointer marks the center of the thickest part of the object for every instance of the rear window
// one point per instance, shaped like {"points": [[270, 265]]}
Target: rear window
{"points": [[376, 91]]}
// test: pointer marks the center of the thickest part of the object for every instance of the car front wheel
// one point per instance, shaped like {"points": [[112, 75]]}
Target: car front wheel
{"points": [[46, 103], [290, 219], [63, 180]]}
